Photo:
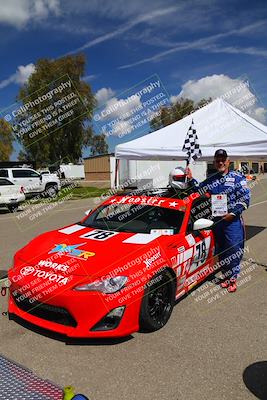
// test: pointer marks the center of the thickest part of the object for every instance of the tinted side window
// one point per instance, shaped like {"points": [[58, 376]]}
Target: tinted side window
{"points": [[19, 173], [5, 182], [24, 173], [4, 173], [32, 174]]}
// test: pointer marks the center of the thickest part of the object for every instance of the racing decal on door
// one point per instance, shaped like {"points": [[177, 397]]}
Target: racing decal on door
{"points": [[201, 252], [98, 234], [182, 261]]}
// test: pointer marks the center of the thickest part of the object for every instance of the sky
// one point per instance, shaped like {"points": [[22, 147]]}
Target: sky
{"points": [[195, 49]]}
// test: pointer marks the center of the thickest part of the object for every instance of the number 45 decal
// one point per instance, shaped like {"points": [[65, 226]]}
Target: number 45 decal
{"points": [[201, 251], [98, 234]]}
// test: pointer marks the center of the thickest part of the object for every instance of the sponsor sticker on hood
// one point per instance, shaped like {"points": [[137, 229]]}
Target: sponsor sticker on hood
{"points": [[72, 250]]}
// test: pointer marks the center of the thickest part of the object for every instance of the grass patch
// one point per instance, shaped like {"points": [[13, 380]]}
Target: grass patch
{"points": [[81, 192], [70, 193]]}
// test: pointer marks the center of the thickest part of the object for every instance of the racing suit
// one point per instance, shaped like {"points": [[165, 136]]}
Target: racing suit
{"points": [[229, 236]]}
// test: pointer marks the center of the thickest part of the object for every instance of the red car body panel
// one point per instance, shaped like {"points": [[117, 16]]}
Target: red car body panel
{"points": [[47, 270]]}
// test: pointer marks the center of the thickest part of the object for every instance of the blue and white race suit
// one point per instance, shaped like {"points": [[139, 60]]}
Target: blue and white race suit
{"points": [[229, 236]]}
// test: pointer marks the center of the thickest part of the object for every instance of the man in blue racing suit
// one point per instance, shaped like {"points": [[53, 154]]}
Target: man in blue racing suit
{"points": [[230, 196]]}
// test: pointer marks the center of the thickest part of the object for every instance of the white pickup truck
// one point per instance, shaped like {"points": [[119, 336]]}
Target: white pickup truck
{"points": [[11, 195], [32, 182]]}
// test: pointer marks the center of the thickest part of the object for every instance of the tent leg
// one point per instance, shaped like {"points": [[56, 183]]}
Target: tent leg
{"points": [[116, 183]]}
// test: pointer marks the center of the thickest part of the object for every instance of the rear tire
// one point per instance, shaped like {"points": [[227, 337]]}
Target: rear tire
{"points": [[158, 302]]}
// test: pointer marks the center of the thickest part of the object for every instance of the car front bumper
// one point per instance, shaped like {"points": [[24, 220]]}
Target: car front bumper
{"points": [[75, 314]]}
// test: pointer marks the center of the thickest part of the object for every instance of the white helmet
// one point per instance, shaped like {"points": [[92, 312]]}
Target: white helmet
{"points": [[177, 178]]}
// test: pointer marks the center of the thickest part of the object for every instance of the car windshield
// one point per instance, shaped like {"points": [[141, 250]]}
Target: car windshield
{"points": [[134, 218]]}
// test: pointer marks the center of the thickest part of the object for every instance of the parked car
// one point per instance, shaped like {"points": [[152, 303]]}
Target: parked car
{"points": [[117, 271], [11, 195], [33, 182]]}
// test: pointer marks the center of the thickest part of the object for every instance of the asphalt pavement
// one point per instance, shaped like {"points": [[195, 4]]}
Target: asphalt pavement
{"points": [[213, 347]]}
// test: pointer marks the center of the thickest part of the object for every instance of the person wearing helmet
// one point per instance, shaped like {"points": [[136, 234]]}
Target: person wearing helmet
{"points": [[230, 196], [180, 183]]}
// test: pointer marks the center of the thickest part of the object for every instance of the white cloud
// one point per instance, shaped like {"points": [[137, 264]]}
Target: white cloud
{"points": [[23, 73], [210, 86], [260, 114], [207, 44], [121, 108], [102, 95], [90, 77], [20, 12], [117, 112], [20, 76], [235, 91], [142, 18], [122, 128]]}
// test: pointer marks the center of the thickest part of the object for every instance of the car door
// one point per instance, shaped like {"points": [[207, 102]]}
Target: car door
{"points": [[27, 178], [202, 243], [180, 251], [3, 173]]}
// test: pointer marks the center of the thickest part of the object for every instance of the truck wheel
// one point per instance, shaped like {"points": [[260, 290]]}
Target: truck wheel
{"points": [[51, 191], [13, 207], [158, 302]]}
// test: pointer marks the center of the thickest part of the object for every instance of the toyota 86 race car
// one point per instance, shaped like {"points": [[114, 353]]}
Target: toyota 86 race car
{"points": [[119, 270]]}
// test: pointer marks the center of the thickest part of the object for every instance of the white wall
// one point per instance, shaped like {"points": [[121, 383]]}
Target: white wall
{"points": [[73, 171], [157, 170]]}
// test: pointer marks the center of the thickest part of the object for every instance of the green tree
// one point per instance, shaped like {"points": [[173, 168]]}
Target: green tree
{"points": [[64, 140], [6, 140], [180, 109]]}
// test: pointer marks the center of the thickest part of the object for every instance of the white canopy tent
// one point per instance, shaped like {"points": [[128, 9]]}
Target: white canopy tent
{"points": [[218, 125]]}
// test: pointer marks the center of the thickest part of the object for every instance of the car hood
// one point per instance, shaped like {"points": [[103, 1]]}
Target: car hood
{"points": [[89, 251]]}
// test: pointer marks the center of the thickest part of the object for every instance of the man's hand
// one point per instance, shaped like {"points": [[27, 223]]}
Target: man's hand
{"points": [[229, 217], [188, 173]]}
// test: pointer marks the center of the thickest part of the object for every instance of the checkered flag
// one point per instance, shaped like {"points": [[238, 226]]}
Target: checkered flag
{"points": [[191, 145]]}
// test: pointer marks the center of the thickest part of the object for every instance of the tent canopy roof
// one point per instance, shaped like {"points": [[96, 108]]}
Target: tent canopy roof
{"points": [[218, 125]]}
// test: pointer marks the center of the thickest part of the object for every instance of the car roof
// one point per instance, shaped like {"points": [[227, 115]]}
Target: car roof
{"points": [[19, 168]]}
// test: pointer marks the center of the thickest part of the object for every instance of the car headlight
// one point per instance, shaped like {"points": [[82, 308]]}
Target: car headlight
{"points": [[110, 285]]}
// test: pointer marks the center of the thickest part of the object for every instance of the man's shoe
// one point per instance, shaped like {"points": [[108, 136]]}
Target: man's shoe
{"points": [[232, 287]]}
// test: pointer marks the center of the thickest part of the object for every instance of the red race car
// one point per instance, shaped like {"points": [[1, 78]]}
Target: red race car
{"points": [[117, 271]]}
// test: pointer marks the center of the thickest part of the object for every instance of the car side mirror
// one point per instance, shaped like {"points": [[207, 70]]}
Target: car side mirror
{"points": [[202, 223], [87, 212], [41, 178]]}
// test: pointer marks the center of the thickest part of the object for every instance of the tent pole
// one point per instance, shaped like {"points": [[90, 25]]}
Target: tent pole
{"points": [[117, 162]]}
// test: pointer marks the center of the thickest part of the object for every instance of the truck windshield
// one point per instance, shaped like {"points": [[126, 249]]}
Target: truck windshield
{"points": [[134, 218]]}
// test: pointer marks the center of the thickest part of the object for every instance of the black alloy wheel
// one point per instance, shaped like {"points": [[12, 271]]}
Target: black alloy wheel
{"points": [[158, 302]]}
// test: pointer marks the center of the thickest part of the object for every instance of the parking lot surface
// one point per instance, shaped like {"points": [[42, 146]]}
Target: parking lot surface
{"points": [[208, 349]]}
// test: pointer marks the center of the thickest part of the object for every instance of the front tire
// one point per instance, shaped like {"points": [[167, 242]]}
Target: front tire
{"points": [[158, 302], [13, 207], [51, 191]]}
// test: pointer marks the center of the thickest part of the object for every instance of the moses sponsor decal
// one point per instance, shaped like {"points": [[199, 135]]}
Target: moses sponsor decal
{"points": [[149, 261], [72, 251]]}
